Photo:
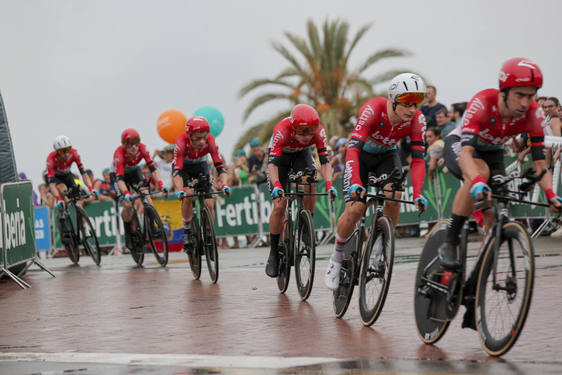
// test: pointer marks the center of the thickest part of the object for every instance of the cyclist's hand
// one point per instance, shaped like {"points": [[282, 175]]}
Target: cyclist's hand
{"points": [[127, 196], [226, 190], [356, 191], [60, 202], [480, 189], [278, 191], [180, 194], [556, 202], [421, 203], [165, 191], [331, 190]]}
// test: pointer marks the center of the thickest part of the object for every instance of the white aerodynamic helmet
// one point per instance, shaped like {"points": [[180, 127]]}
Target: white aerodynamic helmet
{"points": [[62, 141], [406, 88]]}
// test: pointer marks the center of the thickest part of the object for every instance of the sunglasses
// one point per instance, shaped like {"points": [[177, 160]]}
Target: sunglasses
{"points": [[199, 138], [62, 151], [305, 130], [410, 98], [133, 143]]}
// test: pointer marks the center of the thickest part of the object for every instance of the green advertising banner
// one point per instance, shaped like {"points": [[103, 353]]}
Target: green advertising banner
{"points": [[18, 231]]}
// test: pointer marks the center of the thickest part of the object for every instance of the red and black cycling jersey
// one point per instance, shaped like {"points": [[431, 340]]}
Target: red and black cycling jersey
{"points": [[184, 152], [59, 166], [482, 126], [283, 140], [122, 160], [374, 134]]}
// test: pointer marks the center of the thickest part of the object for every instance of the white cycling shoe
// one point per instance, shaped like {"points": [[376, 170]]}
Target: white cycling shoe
{"points": [[332, 277]]}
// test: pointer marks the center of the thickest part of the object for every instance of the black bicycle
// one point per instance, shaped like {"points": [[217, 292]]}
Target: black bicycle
{"points": [[152, 232], [203, 229], [81, 232], [497, 293], [297, 245], [371, 267]]}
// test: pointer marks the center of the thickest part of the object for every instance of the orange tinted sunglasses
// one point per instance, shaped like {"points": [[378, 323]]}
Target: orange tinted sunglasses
{"points": [[410, 98], [62, 151], [305, 129]]}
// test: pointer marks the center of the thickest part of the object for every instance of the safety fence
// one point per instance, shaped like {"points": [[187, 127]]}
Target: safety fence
{"points": [[247, 210]]}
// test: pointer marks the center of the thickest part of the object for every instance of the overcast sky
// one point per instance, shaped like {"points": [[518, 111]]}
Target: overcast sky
{"points": [[89, 69]]}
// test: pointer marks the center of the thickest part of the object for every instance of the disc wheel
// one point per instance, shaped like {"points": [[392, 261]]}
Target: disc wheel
{"points": [[194, 254], [210, 244], [156, 235], [432, 312], [305, 255], [376, 271], [89, 238], [137, 252], [342, 295], [284, 249], [501, 309]]}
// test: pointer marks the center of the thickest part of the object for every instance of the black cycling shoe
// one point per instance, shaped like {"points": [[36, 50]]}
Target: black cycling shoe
{"points": [[272, 266], [188, 240], [128, 235], [468, 318], [448, 256]]}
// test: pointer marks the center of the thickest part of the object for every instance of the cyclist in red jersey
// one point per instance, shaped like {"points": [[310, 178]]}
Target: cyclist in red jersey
{"points": [[127, 173], [58, 168], [290, 148], [490, 119], [381, 124], [190, 160]]}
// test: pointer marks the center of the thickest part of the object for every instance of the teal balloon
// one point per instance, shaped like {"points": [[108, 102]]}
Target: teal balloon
{"points": [[214, 116]]}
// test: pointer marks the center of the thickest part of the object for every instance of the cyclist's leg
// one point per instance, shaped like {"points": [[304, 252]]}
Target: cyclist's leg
{"points": [[188, 172], [389, 162]]}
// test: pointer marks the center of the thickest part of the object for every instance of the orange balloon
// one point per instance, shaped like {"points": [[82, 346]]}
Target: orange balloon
{"points": [[170, 125]]}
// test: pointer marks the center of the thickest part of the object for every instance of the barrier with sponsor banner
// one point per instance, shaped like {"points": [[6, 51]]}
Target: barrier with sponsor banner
{"points": [[18, 234], [238, 214]]}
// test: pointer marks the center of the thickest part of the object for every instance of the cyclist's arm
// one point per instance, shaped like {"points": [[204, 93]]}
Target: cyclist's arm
{"points": [[54, 190], [87, 181], [467, 164], [326, 171], [273, 172], [122, 186], [178, 181], [417, 165]]}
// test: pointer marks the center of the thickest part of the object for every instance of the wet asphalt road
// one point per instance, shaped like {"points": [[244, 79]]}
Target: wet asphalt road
{"points": [[120, 319]]}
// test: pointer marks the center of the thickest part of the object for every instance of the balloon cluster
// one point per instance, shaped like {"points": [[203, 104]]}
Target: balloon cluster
{"points": [[172, 122]]}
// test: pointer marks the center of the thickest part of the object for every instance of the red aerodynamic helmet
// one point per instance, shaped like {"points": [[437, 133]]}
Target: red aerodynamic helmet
{"points": [[520, 71], [130, 134], [197, 124], [304, 117]]}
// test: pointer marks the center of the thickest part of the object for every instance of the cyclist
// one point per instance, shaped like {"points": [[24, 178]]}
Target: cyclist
{"points": [[290, 148], [190, 160], [381, 124], [491, 118], [128, 173], [58, 169]]}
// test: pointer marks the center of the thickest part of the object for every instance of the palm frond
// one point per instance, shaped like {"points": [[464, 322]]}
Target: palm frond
{"points": [[380, 55], [263, 99], [262, 82]]}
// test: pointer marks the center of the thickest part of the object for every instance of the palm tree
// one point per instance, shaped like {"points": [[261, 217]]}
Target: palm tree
{"points": [[321, 77]]}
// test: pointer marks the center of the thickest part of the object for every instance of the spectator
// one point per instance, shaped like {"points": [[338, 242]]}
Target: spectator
{"points": [[431, 106], [164, 163], [338, 160], [22, 176], [241, 168], [540, 100], [106, 187], [456, 112], [434, 153], [443, 122], [332, 144], [45, 196], [552, 124], [256, 165]]}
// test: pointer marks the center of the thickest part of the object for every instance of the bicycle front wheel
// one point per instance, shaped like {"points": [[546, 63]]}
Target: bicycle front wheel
{"points": [[194, 253], [137, 252], [501, 308], [376, 270], [305, 254], [89, 238], [156, 234], [210, 244]]}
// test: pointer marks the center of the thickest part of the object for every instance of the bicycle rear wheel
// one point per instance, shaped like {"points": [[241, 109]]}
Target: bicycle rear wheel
{"points": [[376, 270], [194, 254], [432, 310], [156, 235], [305, 254], [501, 309], [210, 244], [342, 295], [68, 237], [89, 238], [284, 249], [137, 252]]}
